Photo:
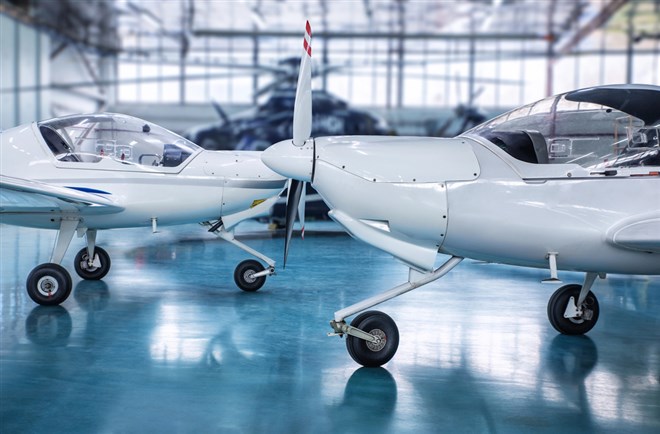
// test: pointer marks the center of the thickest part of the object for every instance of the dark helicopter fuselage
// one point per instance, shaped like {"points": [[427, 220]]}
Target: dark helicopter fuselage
{"points": [[272, 121]]}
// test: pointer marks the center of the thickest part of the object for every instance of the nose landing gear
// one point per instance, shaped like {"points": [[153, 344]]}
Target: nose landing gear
{"points": [[380, 350], [249, 275]]}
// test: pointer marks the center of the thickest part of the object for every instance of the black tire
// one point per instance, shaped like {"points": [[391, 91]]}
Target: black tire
{"points": [[375, 323], [243, 275], [92, 273], [49, 284], [557, 306], [357, 320]]}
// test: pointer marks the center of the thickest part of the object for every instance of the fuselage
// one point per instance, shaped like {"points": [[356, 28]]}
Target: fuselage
{"points": [[414, 197], [206, 186], [517, 214]]}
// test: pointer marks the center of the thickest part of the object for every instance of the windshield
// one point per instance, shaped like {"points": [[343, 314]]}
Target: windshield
{"points": [[135, 142], [568, 128]]}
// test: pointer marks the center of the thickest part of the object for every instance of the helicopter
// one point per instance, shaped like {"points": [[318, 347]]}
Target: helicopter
{"points": [[271, 121], [571, 182]]}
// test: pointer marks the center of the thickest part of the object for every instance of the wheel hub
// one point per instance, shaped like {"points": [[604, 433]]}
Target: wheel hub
{"points": [[248, 276], [381, 340], [47, 286], [87, 264]]}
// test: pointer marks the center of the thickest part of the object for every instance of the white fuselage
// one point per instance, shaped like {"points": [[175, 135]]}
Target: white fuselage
{"points": [[502, 217], [414, 197], [208, 186]]}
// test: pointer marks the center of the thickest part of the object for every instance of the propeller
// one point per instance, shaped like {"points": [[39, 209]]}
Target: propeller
{"points": [[294, 199], [302, 110], [302, 129]]}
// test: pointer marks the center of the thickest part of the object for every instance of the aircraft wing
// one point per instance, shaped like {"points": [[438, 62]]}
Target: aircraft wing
{"points": [[23, 196]]}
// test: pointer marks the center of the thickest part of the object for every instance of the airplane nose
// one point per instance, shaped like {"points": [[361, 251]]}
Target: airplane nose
{"points": [[291, 161]]}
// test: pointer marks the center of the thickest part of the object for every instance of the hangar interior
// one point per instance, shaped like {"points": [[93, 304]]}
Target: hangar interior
{"points": [[167, 343]]}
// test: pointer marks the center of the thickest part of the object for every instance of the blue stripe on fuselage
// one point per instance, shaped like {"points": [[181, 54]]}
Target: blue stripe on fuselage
{"points": [[89, 190]]}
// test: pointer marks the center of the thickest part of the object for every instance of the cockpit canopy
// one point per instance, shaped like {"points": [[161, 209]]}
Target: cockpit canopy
{"points": [[134, 142], [600, 127]]}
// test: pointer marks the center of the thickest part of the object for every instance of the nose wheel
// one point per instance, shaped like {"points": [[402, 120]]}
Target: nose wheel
{"points": [[250, 275], [49, 284], [566, 316], [95, 269], [384, 347]]}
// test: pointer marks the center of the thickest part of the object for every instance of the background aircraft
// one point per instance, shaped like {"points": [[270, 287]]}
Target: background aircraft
{"points": [[571, 182], [271, 121], [83, 173]]}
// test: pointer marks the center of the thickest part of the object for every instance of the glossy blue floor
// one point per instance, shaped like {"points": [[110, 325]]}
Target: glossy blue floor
{"points": [[167, 343]]}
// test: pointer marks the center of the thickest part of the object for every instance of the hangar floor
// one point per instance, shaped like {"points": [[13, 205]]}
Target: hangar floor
{"points": [[167, 343]]}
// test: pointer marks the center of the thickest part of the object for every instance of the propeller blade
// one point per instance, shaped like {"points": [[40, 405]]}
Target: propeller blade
{"points": [[302, 110], [292, 200], [301, 209]]}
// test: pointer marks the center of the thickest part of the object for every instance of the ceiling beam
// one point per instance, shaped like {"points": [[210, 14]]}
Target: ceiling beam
{"points": [[595, 23], [366, 35]]}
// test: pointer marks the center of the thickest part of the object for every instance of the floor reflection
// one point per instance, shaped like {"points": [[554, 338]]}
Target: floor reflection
{"points": [[166, 341], [49, 326], [369, 399], [92, 295]]}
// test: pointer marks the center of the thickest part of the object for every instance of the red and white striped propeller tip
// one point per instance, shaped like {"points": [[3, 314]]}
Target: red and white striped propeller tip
{"points": [[307, 40]]}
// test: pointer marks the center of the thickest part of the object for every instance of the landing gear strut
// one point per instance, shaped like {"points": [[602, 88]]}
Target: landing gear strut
{"points": [[249, 275], [50, 284], [373, 337]]}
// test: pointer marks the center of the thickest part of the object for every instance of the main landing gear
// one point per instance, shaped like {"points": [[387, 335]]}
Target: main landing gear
{"points": [[249, 275], [573, 309], [372, 338], [50, 284], [94, 269]]}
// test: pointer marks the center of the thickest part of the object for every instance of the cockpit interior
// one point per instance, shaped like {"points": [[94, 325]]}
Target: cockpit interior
{"points": [[132, 142], [582, 128]]}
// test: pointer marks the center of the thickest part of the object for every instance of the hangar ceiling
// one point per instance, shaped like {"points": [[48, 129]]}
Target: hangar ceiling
{"points": [[115, 24], [230, 48]]}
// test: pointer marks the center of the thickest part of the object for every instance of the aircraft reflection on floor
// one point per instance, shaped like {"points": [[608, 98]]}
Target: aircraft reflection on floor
{"points": [[177, 346]]}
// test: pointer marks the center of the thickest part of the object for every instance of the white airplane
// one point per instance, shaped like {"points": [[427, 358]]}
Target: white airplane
{"points": [[571, 182], [83, 173]]}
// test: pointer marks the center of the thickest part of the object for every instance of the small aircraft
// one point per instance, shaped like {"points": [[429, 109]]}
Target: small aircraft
{"points": [[571, 182], [84, 173]]}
